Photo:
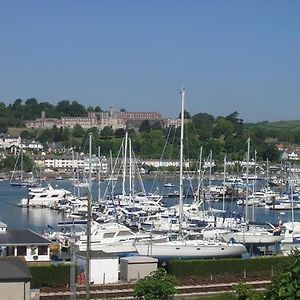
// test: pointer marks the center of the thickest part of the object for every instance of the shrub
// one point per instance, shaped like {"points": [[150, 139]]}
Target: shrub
{"points": [[158, 285]]}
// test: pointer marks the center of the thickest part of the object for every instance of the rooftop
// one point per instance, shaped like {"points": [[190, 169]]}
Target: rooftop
{"points": [[13, 269], [22, 237]]}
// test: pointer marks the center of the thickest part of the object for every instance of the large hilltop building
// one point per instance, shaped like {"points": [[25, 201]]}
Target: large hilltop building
{"points": [[115, 120]]}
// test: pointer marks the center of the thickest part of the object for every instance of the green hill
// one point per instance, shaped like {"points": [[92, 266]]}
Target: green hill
{"points": [[291, 124]]}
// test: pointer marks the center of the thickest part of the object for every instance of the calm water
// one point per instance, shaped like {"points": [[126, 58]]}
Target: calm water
{"points": [[37, 219]]}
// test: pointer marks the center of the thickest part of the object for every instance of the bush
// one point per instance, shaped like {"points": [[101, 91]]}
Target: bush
{"points": [[286, 285], [159, 285], [207, 267], [50, 276]]}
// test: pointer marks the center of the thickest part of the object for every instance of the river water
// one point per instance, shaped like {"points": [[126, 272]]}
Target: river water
{"points": [[37, 219]]}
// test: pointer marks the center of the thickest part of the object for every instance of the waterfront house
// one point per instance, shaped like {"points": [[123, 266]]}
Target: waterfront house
{"points": [[23, 243], [14, 278]]}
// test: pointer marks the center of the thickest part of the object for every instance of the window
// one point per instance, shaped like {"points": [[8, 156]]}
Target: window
{"points": [[11, 251], [21, 250], [42, 250], [122, 233], [108, 234]]}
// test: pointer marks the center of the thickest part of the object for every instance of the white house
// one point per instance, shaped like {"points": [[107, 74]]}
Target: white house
{"points": [[156, 163], [66, 163], [23, 243], [8, 141]]}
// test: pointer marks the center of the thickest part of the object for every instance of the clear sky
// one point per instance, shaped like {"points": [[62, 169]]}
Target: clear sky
{"points": [[230, 55]]}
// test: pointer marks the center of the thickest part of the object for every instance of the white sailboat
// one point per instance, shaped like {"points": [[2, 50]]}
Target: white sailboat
{"points": [[181, 248], [19, 180], [250, 234]]}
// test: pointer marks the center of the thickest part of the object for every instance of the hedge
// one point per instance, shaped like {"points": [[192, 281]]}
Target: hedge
{"points": [[206, 267], [50, 276]]}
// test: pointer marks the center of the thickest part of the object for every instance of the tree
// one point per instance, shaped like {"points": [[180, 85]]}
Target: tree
{"points": [[156, 125], [286, 285], [203, 124], [31, 109], [244, 291], [78, 131], [158, 285], [270, 152], [145, 126], [63, 107], [119, 133], [98, 109], [186, 115], [77, 110], [238, 123], [46, 136], [3, 125], [123, 110], [25, 135], [107, 132]]}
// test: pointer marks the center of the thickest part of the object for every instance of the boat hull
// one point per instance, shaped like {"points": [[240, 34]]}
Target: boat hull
{"points": [[174, 250]]}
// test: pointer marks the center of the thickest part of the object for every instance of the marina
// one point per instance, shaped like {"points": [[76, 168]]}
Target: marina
{"points": [[38, 219]]}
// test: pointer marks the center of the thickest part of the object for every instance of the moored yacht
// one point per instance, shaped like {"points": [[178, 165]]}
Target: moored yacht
{"points": [[44, 197], [115, 238], [190, 249]]}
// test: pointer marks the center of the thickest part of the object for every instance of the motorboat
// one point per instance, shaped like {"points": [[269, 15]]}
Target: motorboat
{"points": [[114, 238], [168, 184], [44, 197]]}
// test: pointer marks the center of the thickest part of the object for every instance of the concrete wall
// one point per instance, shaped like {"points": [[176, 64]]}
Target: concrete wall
{"points": [[15, 290]]}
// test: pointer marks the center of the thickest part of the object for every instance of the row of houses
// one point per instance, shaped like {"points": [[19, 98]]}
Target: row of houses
{"points": [[10, 142], [289, 152], [68, 163]]}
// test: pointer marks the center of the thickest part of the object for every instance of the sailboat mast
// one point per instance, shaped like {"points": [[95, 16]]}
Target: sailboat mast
{"points": [[22, 162], [111, 174], [130, 175], [73, 170], [99, 174], [78, 188], [253, 187], [181, 162], [224, 183], [199, 175], [125, 163], [89, 220], [247, 180]]}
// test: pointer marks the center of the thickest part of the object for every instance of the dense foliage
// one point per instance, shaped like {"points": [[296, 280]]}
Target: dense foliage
{"points": [[286, 286], [15, 114], [221, 135]]}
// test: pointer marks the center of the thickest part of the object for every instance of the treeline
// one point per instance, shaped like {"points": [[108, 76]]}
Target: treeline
{"points": [[14, 115], [222, 135]]}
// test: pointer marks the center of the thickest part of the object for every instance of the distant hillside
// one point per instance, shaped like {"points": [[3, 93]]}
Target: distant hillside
{"points": [[291, 124]]}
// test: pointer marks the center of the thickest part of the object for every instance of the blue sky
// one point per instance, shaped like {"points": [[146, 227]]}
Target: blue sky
{"points": [[230, 55]]}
